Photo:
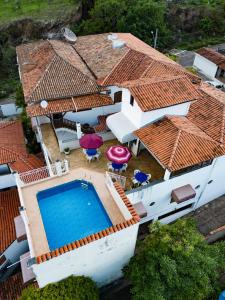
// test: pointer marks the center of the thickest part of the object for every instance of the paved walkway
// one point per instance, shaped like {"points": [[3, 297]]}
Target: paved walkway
{"points": [[210, 216]]}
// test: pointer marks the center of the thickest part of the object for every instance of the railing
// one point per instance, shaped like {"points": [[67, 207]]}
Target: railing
{"points": [[36, 174], [112, 177], [57, 169], [60, 123]]}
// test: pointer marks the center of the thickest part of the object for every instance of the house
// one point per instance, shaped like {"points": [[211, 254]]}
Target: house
{"points": [[13, 153], [211, 63], [80, 83], [129, 93]]}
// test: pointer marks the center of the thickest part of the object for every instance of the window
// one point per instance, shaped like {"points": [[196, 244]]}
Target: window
{"points": [[4, 170], [175, 211], [131, 100], [118, 97]]}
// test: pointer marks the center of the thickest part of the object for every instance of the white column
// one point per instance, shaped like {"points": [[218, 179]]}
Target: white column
{"points": [[79, 132], [167, 175], [58, 168], [66, 164]]}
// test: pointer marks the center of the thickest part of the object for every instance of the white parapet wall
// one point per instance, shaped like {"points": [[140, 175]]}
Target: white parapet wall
{"points": [[102, 260]]}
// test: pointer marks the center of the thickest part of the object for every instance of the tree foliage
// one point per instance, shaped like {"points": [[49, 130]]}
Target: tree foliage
{"points": [[140, 17], [72, 288], [174, 262]]}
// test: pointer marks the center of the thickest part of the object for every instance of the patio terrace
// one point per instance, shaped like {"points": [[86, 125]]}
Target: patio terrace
{"points": [[144, 161]]}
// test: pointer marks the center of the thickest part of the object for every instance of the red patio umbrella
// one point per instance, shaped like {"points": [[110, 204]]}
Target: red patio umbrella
{"points": [[91, 141], [118, 154]]}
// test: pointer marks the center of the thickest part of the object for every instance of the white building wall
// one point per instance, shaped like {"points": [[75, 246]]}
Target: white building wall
{"points": [[10, 109], [205, 66], [140, 118], [7, 181], [215, 186], [90, 116], [160, 193], [102, 260]]}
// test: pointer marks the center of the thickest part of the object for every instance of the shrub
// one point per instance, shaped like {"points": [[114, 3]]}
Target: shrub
{"points": [[71, 288]]}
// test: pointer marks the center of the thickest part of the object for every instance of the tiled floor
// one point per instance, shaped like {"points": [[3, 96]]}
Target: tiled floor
{"points": [[38, 236], [144, 162]]}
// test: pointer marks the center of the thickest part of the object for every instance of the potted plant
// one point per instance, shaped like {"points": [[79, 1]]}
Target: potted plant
{"points": [[67, 150]]}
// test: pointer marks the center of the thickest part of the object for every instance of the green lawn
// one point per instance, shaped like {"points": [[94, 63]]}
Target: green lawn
{"points": [[36, 9]]}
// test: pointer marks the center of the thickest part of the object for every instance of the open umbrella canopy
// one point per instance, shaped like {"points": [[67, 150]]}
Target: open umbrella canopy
{"points": [[91, 141], [118, 154]]}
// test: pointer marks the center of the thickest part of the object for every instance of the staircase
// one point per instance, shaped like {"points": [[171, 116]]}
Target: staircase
{"points": [[64, 123]]}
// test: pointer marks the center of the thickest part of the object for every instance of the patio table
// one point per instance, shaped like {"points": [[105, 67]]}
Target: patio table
{"points": [[141, 177], [117, 166], [91, 152]]}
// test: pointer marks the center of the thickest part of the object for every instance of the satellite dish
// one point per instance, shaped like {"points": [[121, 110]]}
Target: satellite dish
{"points": [[69, 35], [44, 104]]}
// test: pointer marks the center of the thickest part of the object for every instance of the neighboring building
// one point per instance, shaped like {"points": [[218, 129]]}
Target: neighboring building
{"points": [[8, 108], [13, 153], [211, 63], [130, 93], [13, 240]]}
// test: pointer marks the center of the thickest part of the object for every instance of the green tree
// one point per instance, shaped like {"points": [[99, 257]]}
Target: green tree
{"points": [[71, 288], [139, 17], [174, 262]]}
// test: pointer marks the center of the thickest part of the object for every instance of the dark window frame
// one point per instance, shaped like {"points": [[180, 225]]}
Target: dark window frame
{"points": [[131, 100], [118, 97], [173, 212]]}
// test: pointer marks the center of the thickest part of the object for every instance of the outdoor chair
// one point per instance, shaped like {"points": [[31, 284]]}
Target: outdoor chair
{"points": [[109, 166], [136, 171]]}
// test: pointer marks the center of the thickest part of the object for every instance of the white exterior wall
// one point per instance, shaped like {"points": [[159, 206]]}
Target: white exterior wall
{"points": [[160, 193], [90, 116], [206, 66], [7, 181], [87, 116], [140, 118], [10, 109], [217, 187], [102, 260]]}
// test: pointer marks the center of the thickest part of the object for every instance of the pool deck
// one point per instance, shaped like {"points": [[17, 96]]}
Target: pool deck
{"points": [[37, 231]]}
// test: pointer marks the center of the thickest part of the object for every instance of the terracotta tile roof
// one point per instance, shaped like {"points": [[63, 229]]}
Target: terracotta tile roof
{"points": [[26, 163], [177, 143], [53, 69], [132, 66], [132, 42], [212, 55], [164, 69], [208, 113], [156, 92], [12, 143], [79, 243], [97, 52], [70, 104], [12, 288], [9, 209]]}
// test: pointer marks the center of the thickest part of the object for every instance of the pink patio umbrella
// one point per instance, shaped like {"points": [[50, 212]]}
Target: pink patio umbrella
{"points": [[118, 154], [91, 141]]}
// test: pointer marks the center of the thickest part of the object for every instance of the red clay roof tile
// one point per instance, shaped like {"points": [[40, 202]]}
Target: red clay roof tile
{"points": [[154, 93], [9, 209], [181, 144]]}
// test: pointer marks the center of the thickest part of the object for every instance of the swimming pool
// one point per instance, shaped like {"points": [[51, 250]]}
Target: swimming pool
{"points": [[71, 211]]}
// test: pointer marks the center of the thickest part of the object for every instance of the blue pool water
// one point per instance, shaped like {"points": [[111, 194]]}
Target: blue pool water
{"points": [[71, 211]]}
